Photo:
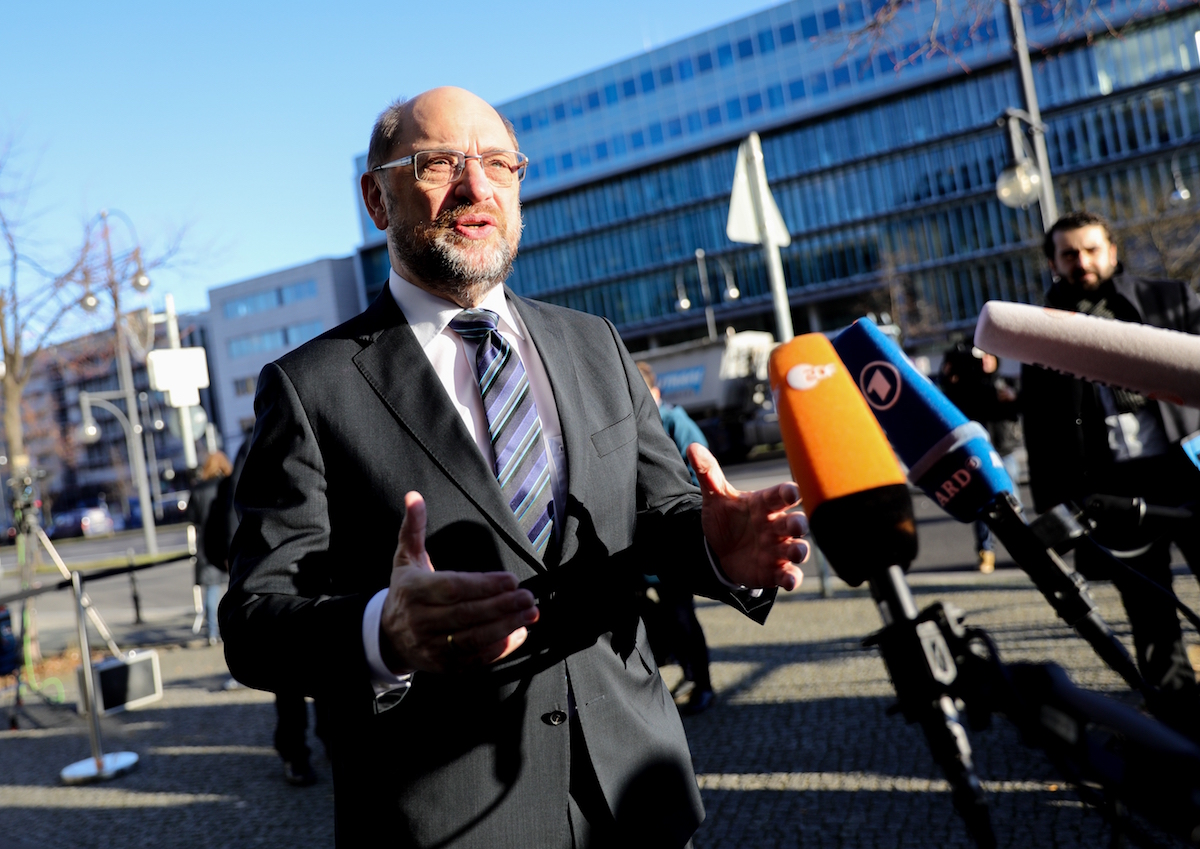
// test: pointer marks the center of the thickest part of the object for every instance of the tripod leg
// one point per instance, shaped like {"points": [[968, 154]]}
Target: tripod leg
{"points": [[85, 600]]}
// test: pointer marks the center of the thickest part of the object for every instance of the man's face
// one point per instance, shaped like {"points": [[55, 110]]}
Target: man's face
{"points": [[458, 240], [1084, 258]]}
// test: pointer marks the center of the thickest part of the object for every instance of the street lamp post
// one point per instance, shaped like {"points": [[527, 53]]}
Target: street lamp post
{"points": [[127, 391], [156, 424], [684, 303], [1026, 181]]}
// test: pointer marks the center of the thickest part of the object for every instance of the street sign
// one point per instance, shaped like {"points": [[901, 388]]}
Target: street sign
{"points": [[751, 201], [179, 372]]}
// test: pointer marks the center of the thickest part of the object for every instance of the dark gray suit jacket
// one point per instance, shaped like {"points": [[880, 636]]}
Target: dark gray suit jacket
{"points": [[350, 422]]}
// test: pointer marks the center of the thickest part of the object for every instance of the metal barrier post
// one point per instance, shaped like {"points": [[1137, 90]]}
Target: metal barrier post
{"points": [[99, 767]]}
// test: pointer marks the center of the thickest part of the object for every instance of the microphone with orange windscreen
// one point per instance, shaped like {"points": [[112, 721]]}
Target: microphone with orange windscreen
{"points": [[851, 485]]}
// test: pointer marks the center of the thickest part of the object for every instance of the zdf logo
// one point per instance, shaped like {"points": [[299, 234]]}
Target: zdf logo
{"points": [[806, 376]]}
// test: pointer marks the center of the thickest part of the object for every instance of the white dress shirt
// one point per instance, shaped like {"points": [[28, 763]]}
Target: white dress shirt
{"points": [[453, 360]]}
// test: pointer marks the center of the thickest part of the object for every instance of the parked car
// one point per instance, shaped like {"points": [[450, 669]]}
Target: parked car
{"points": [[82, 522], [174, 506]]}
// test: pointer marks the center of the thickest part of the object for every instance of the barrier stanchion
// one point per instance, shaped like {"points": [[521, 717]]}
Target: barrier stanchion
{"points": [[100, 766]]}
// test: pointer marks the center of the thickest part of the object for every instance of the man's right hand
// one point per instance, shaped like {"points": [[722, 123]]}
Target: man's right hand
{"points": [[444, 621]]}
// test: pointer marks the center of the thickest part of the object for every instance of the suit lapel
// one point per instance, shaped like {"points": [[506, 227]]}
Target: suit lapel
{"points": [[397, 369]]}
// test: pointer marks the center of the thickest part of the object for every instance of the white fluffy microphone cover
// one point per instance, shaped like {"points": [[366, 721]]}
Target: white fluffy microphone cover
{"points": [[1161, 364]]}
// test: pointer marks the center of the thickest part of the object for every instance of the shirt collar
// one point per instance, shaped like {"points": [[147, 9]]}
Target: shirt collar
{"points": [[429, 315]]}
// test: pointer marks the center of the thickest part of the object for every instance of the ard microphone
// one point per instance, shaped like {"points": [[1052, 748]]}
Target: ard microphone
{"points": [[1160, 364], [851, 486], [948, 456]]}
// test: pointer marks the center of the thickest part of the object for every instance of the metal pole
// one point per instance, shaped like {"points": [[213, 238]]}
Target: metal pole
{"points": [[185, 413], [155, 482], [758, 178], [709, 316], [1025, 72], [137, 459], [89, 685]]}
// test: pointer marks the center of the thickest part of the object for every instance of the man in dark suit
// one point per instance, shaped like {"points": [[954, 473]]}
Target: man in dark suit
{"points": [[490, 682]]}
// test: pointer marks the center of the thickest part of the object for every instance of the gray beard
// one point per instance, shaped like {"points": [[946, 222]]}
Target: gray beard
{"points": [[435, 256]]}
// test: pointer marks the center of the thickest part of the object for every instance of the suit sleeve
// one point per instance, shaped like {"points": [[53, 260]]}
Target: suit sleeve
{"points": [[282, 627], [669, 537]]}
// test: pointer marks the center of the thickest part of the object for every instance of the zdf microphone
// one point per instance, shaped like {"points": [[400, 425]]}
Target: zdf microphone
{"points": [[851, 486]]}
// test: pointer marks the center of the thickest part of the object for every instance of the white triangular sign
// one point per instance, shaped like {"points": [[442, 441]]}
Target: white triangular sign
{"points": [[742, 225]]}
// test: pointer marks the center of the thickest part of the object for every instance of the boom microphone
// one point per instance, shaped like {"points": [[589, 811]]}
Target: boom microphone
{"points": [[851, 486], [1161, 364], [948, 456]]}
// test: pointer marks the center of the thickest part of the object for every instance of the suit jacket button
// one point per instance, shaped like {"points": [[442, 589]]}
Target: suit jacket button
{"points": [[554, 717]]}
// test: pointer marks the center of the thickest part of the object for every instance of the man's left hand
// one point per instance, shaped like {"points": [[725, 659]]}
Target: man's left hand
{"points": [[753, 534]]}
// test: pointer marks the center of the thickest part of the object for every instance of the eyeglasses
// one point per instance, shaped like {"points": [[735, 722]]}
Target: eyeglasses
{"points": [[442, 167]]}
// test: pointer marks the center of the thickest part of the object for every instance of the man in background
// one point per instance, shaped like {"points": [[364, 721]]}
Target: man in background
{"points": [[1084, 438], [679, 632]]}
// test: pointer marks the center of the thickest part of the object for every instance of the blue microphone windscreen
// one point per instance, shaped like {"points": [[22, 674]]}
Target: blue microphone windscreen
{"points": [[948, 456], [913, 412]]}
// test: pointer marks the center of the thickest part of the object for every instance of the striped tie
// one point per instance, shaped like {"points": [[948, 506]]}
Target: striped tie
{"points": [[522, 467]]}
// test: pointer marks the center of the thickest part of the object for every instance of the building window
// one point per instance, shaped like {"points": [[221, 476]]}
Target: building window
{"points": [[819, 83], [294, 292], [300, 333], [674, 128], [704, 62], [694, 123], [610, 94], [713, 115], [250, 304], [787, 34], [754, 103], [256, 343], [666, 76], [629, 88], [602, 150], [733, 109], [656, 133], [260, 301], [841, 76], [775, 96], [796, 89], [724, 55], [525, 122], [766, 41], [808, 27], [560, 112], [831, 19], [685, 69], [637, 139], [593, 100], [647, 82], [745, 49], [568, 161], [244, 386]]}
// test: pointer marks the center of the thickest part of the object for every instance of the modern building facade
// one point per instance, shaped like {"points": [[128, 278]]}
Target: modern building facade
{"points": [[882, 158], [254, 322]]}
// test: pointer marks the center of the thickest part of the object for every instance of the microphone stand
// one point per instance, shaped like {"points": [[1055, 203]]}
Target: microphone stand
{"points": [[1119, 760], [924, 671], [1033, 548]]}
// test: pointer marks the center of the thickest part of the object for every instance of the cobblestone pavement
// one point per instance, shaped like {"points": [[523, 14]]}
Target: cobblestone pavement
{"points": [[797, 752]]}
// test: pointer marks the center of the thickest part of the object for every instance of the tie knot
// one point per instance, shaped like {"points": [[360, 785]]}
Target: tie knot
{"points": [[474, 323]]}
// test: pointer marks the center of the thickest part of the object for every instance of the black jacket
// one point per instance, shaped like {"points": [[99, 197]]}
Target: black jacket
{"points": [[1065, 433]]}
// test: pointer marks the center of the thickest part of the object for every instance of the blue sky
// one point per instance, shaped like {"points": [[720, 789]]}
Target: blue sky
{"points": [[237, 123]]}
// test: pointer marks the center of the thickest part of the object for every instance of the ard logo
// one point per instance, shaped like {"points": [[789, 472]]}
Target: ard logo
{"points": [[880, 384]]}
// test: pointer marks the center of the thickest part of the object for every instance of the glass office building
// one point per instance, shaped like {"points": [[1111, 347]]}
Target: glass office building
{"points": [[882, 159]]}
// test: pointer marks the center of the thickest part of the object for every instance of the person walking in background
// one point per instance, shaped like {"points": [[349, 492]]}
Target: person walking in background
{"points": [[212, 549], [970, 380], [679, 632]]}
